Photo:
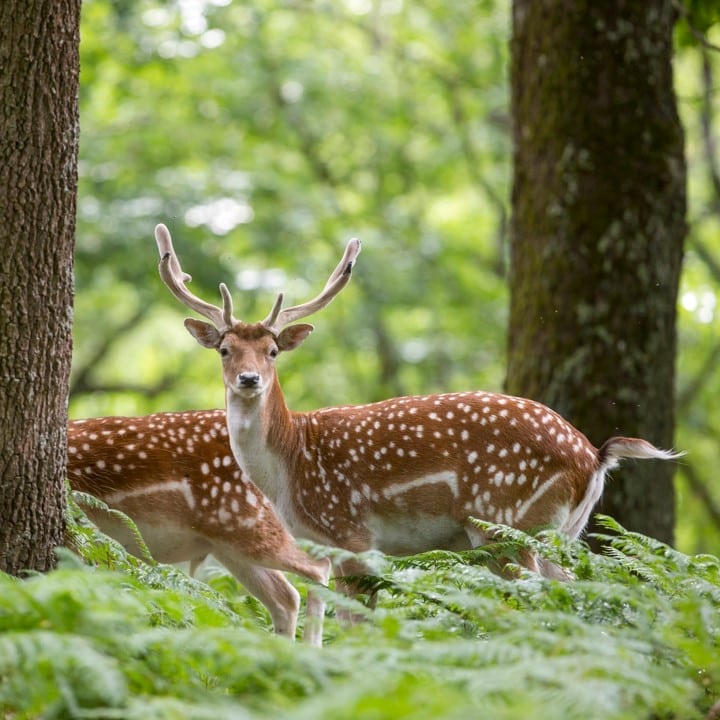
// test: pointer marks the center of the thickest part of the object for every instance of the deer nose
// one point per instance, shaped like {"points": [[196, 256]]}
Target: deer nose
{"points": [[248, 379]]}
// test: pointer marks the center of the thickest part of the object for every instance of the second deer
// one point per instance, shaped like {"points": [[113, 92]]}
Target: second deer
{"points": [[173, 474], [404, 475]]}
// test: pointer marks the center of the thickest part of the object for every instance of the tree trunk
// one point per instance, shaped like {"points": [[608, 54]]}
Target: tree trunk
{"points": [[598, 229], [39, 44]]}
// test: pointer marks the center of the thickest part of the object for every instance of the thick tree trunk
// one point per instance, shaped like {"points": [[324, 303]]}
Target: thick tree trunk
{"points": [[39, 43], [598, 229]]}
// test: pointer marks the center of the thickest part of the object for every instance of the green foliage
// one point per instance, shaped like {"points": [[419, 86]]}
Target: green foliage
{"points": [[635, 636], [220, 595], [697, 69], [265, 134], [697, 17], [324, 122]]}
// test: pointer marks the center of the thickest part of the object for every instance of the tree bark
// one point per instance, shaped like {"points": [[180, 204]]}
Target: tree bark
{"points": [[598, 229], [39, 46]]}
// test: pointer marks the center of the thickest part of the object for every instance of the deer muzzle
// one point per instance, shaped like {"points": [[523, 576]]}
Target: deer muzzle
{"points": [[248, 380]]}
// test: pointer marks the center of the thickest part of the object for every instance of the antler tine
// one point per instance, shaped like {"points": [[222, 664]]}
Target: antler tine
{"points": [[270, 320], [227, 311], [340, 277], [174, 277]]}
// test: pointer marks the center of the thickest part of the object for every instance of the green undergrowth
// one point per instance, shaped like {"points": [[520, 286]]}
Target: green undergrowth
{"points": [[109, 636]]}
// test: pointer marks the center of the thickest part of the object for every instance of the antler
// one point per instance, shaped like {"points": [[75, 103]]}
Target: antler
{"points": [[174, 277], [277, 319]]}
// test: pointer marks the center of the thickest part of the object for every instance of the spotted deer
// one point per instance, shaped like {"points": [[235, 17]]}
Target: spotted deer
{"points": [[403, 475], [175, 476]]}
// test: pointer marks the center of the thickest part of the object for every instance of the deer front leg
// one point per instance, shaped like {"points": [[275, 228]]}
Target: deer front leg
{"points": [[273, 590], [294, 560]]}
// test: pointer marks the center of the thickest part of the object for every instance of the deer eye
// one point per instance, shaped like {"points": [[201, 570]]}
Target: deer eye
{"points": [[224, 352], [273, 353]]}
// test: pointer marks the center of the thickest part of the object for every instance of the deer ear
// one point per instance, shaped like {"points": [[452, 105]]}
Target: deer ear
{"points": [[205, 333], [293, 336]]}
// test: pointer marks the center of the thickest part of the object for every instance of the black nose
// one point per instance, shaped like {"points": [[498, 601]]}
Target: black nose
{"points": [[248, 379]]}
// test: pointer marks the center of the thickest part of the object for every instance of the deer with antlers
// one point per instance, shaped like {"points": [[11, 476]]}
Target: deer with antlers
{"points": [[403, 475], [174, 475]]}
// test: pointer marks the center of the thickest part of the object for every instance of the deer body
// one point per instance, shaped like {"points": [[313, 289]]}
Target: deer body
{"points": [[405, 475], [175, 476], [402, 475]]}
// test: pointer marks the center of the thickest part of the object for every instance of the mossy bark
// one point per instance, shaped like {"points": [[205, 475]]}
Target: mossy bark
{"points": [[598, 229], [39, 45]]}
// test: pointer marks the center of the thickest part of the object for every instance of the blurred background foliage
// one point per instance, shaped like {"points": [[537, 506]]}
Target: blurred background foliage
{"points": [[267, 133]]}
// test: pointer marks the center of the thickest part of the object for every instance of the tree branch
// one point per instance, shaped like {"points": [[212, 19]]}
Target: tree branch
{"points": [[80, 379], [163, 385], [712, 265], [697, 34], [471, 161], [700, 489], [706, 124], [687, 396]]}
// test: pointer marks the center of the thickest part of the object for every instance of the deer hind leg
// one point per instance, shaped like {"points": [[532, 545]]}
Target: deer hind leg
{"points": [[195, 563], [352, 587], [499, 564], [526, 559], [271, 588], [553, 571]]}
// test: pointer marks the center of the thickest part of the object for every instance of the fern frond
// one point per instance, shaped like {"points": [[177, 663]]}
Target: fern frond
{"points": [[77, 499]]}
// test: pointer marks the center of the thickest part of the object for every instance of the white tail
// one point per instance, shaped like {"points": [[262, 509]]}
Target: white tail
{"points": [[174, 475], [401, 475]]}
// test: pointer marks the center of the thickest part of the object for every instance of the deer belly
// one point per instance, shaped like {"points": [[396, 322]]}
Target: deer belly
{"points": [[409, 534], [167, 543]]}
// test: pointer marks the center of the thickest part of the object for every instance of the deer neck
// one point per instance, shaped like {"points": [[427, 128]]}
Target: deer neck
{"points": [[261, 429]]}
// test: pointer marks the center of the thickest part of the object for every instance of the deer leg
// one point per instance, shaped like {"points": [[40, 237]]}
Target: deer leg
{"points": [[527, 559], [195, 563], [296, 561], [499, 564], [552, 571], [271, 588], [352, 588]]}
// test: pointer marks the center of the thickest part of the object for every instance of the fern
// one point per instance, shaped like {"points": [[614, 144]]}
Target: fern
{"points": [[93, 547], [78, 498], [112, 636]]}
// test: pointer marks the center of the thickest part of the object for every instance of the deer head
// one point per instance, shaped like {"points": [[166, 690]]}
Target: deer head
{"points": [[248, 350]]}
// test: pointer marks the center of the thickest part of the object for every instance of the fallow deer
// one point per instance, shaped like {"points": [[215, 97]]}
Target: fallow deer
{"points": [[174, 475], [403, 475]]}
